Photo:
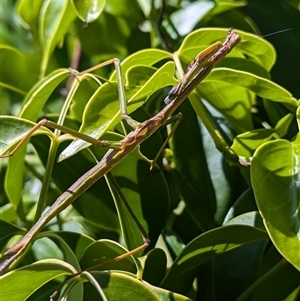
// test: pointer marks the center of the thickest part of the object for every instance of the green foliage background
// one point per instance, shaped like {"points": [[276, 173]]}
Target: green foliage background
{"points": [[219, 230]]}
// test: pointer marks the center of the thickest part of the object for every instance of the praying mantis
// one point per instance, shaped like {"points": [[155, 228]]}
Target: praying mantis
{"points": [[196, 72]]}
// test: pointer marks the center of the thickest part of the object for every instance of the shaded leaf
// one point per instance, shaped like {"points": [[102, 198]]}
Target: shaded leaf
{"points": [[102, 251], [14, 70], [220, 240]]}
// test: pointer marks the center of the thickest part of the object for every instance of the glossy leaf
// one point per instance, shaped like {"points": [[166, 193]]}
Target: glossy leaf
{"points": [[147, 57], [40, 93], [283, 124], [275, 173], [246, 99], [250, 219], [32, 106], [54, 21], [220, 240], [88, 11], [246, 143], [260, 86], [106, 250], [13, 129], [8, 213], [102, 111], [258, 49], [116, 284], [243, 205], [166, 295], [19, 284]]}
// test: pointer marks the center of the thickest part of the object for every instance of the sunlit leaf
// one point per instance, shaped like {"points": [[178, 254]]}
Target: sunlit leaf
{"points": [[260, 86], [257, 49], [117, 284], [54, 21], [102, 111], [32, 106], [275, 171], [13, 129], [88, 11], [19, 284]]}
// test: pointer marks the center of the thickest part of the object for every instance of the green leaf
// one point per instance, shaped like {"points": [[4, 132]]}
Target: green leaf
{"points": [[113, 36], [72, 250], [250, 219], [206, 246], [11, 60], [166, 295], [284, 123], [126, 9], [45, 248], [260, 86], [155, 266], [19, 284], [146, 57], [7, 213], [102, 251], [255, 48], [275, 173], [233, 102], [66, 173], [277, 279], [40, 93], [88, 11], [13, 129], [102, 111], [244, 204], [30, 11], [245, 144], [147, 196], [77, 242], [191, 174], [293, 296], [54, 21], [116, 285], [8, 230], [32, 106]]}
